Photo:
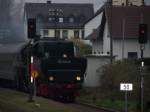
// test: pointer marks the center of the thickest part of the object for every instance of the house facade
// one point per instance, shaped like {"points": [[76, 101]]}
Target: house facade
{"points": [[122, 23], [59, 20], [128, 2], [95, 33]]}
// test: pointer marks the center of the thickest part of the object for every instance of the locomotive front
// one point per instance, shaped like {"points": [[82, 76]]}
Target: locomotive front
{"points": [[61, 72]]}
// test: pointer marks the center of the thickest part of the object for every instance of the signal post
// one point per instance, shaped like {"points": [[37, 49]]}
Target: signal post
{"points": [[142, 41], [31, 28]]}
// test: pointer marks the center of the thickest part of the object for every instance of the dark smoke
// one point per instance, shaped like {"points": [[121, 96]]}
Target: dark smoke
{"points": [[5, 19], [11, 21]]}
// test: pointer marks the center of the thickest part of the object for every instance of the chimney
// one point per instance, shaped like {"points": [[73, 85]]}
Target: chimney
{"points": [[49, 2], [143, 2]]}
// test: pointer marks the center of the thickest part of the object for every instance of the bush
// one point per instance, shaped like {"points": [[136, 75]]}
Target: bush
{"points": [[108, 95], [125, 71], [116, 73]]}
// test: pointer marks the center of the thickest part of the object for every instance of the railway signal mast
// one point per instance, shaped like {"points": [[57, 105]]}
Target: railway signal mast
{"points": [[142, 41], [142, 33], [31, 25], [31, 28]]}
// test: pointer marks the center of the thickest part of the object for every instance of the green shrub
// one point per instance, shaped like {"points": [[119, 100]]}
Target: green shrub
{"points": [[126, 71]]}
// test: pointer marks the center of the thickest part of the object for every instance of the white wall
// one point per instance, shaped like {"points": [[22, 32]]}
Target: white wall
{"points": [[93, 24], [97, 46], [94, 64], [51, 33], [102, 45], [136, 2], [130, 45], [119, 2], [106, 39]]}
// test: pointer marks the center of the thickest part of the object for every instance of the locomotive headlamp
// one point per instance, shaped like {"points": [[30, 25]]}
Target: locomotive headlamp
{"points": [[65, 56], [51, 78], [78, 78]]}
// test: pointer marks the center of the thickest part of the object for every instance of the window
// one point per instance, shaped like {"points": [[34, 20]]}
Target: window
{"points": [[76, 33], [57, 33], [132, 55], [71, 20], [45, 32], [51, 19], [65, 34], [61, 20]]}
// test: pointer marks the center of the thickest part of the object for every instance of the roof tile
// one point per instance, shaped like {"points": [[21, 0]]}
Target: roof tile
{"points": [[132, 16], [76, 10]]}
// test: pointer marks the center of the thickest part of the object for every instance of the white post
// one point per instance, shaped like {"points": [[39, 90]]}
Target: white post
{"points": [[31, 79], [126, 101], [123, 37]]}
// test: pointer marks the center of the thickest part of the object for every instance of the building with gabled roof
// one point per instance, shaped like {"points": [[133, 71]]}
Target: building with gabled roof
{"points": [[60, 20], [122, 23], [128, 2]]}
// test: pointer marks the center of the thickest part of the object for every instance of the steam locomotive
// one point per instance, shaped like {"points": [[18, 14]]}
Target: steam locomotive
{"points": [[59, 73]]}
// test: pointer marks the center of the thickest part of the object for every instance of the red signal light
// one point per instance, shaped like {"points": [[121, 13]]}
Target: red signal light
{"points": [[31, 28], [142, 31]]}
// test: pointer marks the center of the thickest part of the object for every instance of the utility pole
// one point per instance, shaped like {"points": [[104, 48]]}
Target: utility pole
{"points": [[111, 37], [123, 37], [142, 41], [142, 80]]}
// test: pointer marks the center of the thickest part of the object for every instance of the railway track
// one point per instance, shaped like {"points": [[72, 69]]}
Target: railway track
{"points": [[81, 107]]}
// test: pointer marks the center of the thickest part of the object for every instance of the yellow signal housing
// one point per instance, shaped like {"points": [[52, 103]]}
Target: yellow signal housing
{"points": [[34, 74]]}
